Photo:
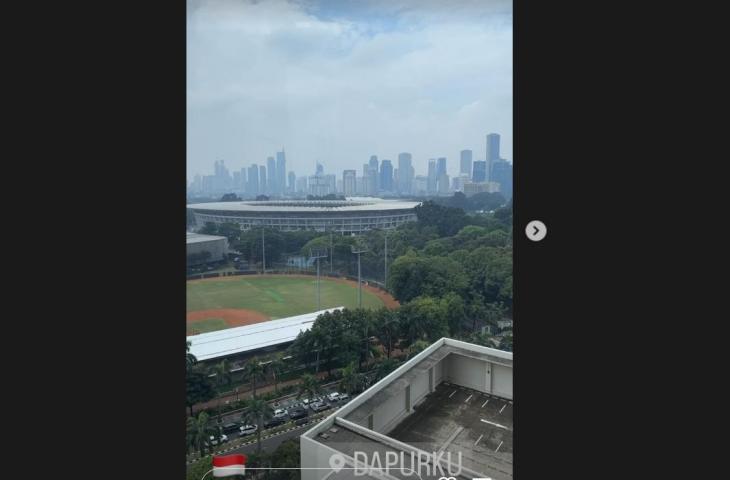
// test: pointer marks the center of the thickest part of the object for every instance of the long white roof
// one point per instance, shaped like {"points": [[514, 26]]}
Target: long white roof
{"points": [[314, 206], [221, 343]]}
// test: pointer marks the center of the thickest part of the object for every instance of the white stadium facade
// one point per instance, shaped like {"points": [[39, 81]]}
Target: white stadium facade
{"points": [[348, 216]]}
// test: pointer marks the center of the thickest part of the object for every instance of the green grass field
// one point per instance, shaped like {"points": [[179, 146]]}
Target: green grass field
{"points": [[275, 296]]}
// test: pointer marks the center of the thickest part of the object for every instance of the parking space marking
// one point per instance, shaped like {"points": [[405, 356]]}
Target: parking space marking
{"points": [[500, 444], [452, 394], [485, 403], [495, 424], [480, 437], [469, 398], [500, 411]]}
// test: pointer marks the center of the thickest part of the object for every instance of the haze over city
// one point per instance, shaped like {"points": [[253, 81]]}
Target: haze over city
{"points": [[337, 82]]}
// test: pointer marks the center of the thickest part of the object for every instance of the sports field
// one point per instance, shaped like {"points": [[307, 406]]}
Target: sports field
{"points": [[224, 302]]}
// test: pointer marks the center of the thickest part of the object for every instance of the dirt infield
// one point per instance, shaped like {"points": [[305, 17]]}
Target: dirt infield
{"points": [[234, 317], [387, 299]]}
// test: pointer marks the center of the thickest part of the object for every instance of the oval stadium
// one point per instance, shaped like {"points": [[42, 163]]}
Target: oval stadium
{"points": [[343, 216]]}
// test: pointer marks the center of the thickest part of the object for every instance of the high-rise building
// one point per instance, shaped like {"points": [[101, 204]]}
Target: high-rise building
{"points": [[253, 180], [386, 176], [420, 185], [271, 177], [318, 185], [236, 180], [375, 174], [441, 167], [331, 180], [280, 173], [480, 172], [502, 174], [320, 169], [302, 188], [465, 163], [349, 182], [405, 173], [492, 152], [292, 182], [263, 185], [431, 177], [244, 179], [443, 184]]}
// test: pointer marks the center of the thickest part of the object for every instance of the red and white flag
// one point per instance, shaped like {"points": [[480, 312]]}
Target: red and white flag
{"points": [[228, 465]]}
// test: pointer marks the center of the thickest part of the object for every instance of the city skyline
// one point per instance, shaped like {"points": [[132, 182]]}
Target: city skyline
{"points": [[336, 83]]}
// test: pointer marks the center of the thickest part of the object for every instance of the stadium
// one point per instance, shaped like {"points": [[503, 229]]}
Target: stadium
{"points": [[343, 216]]}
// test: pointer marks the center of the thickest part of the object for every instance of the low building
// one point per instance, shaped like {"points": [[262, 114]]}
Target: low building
{"points": [[447, 412], [198, 243], [471, 188]]}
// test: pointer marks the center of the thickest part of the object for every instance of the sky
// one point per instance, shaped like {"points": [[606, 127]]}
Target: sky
{"points": [[336, 81]]}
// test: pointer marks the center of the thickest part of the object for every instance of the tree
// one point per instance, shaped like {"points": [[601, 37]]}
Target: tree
{"points": [[222, 377], [386, 328], [412, 276], [252, 372], [417, 347], [190, 359], [351, 380], [199, 432], [198, 389], [275, 367], [230, 197], [424, 318], [257, 413], [286, 455], [384, 367], [308, 386], [506, 343]]}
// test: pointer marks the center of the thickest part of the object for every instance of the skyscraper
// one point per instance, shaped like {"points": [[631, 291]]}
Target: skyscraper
{"points": [[349, 182], [405, 173], [271, 186], [386, 176], [465, 164], [320, 169], [292, 182], [280, 173], [431, 179], [253, 180], [375, 174], [441, 166], [263, 185], [480, 171], [502, 174], [492, 152]]}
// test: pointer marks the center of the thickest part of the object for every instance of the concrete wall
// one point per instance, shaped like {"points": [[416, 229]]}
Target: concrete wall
{"points": [[313, 454], [479, 375], [389, 413]]}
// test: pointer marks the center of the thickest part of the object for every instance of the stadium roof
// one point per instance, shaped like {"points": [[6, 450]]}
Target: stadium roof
{"points": [[348, 205], [221, 343], [199, 238]]}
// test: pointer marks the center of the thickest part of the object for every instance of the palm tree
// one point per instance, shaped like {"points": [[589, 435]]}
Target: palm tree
{"points": [[385, 367], [351, 379], [308, 386], [199, 432], [276, 366], [257, 413], [253, 371], [190, 359], [222, 377]]}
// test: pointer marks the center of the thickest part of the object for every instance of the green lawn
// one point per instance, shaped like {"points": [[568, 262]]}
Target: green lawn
{"points": [[275, 296]]}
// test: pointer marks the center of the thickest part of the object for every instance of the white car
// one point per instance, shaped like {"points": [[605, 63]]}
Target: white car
{"points": [[344, 397], [214, 441], [280, 412], [248, 429], [333, 397]]}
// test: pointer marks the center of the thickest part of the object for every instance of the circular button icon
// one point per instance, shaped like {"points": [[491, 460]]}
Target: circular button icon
{"points": [[536, 230]]}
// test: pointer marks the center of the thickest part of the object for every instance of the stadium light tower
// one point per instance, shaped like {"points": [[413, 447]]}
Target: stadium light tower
{"points": [[317, 254], [358, 249], [263, 249]]}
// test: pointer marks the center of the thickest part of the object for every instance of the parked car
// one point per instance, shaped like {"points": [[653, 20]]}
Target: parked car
{"points": [[274, 422], [319, 406], [344, 397], [215, 441], [230, 427], [297, 412], [248, 429], [306, 402], [333, 397], [280, 413]]}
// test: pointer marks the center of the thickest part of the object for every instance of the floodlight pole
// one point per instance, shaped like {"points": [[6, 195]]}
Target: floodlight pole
{"points": [[318, 254], [358, 251], [332, 249], [263, 249], [385, 280], [319, 305]]}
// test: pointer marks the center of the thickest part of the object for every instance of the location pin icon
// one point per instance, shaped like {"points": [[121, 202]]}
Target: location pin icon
{"points": [[337, 461]]}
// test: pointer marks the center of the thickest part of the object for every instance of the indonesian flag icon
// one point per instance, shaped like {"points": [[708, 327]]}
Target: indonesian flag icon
{"points": [[228, 465]]}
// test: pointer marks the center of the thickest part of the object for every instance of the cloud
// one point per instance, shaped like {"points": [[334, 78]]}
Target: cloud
{"points": [[339, 81]]}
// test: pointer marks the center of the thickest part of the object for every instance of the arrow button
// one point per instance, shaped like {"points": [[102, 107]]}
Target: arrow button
{"points": [[536, 230]]}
